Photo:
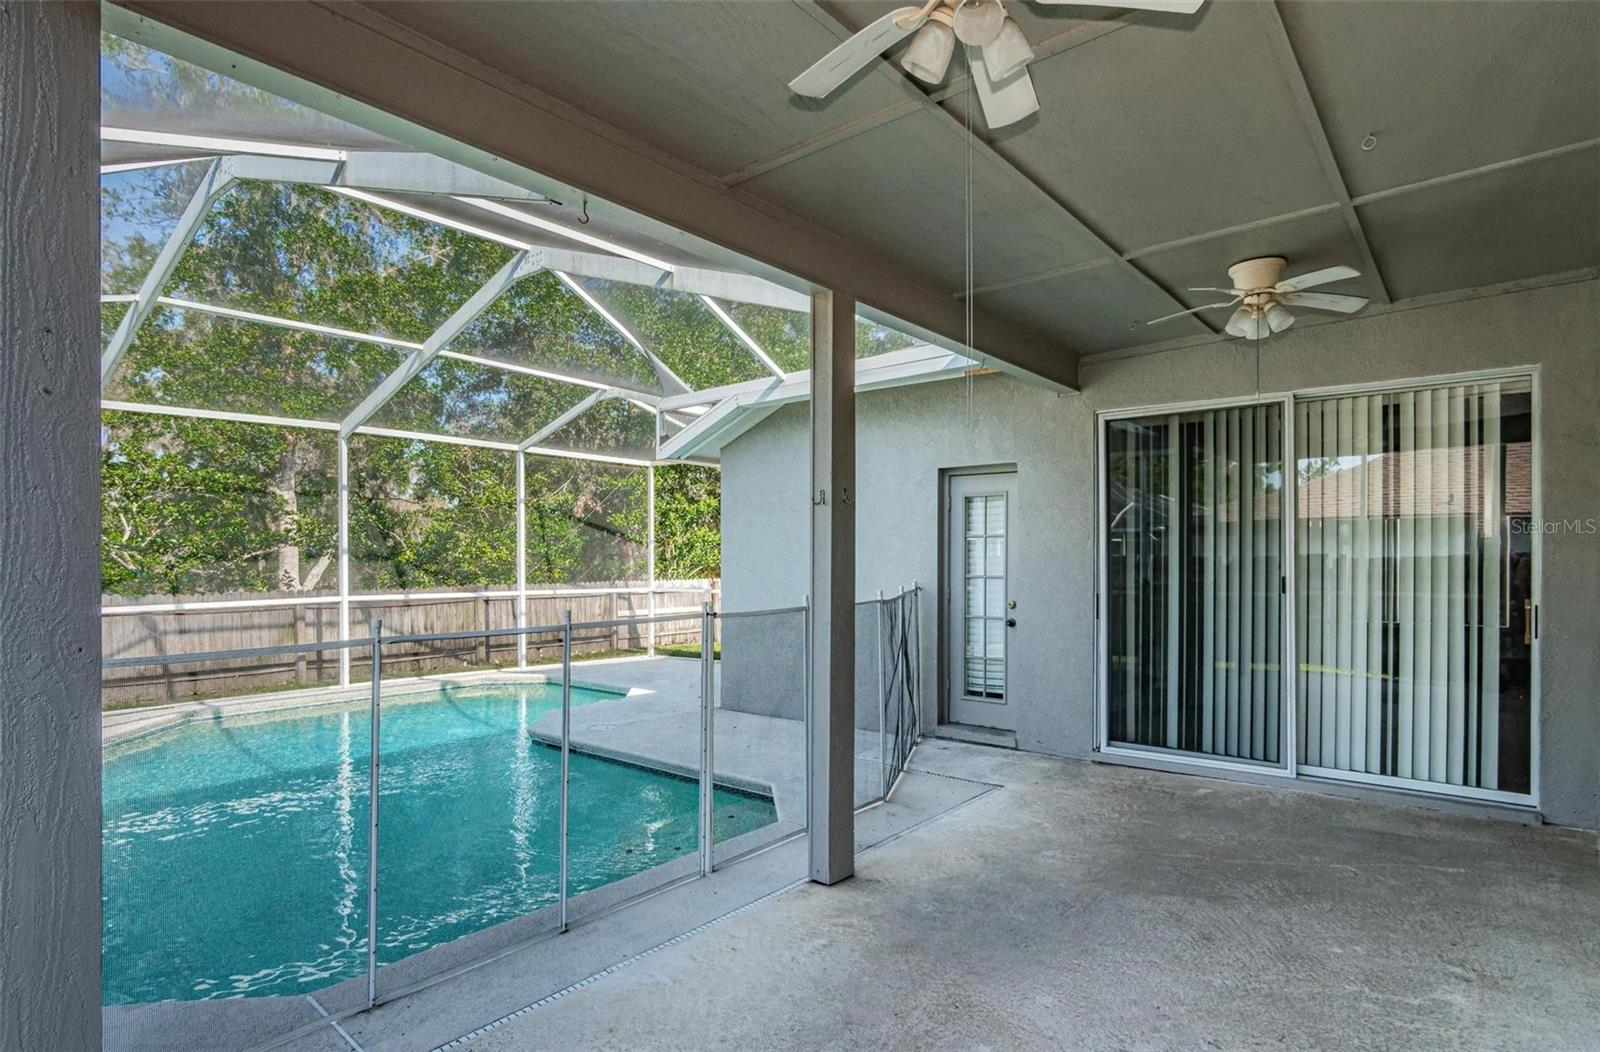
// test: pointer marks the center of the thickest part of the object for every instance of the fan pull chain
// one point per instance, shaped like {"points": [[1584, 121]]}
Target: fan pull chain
{"points": [[971, 282]]}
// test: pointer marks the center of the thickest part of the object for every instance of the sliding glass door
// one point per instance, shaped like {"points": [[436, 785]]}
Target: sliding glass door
{"points": [[1193, 547], [1396, 646], [1414, 608]]}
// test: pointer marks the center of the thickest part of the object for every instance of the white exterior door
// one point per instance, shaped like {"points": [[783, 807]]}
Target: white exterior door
{"points": [[980, 615]]}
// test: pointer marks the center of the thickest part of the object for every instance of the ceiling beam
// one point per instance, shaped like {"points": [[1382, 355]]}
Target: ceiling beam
{"points": [[1305, 107], [1473, 173], [1165, 246], [1079, 34], [358, 64], [1108, 252]]}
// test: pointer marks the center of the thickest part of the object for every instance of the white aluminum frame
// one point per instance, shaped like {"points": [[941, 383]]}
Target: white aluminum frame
{"points": [[1288, 721], [744, 337], [212, 186], [1530, 799], [562, 230], [221, 144], [669, 379]]}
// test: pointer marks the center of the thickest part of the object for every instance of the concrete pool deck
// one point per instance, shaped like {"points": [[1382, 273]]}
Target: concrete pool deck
{"points": [[1087, 906]]}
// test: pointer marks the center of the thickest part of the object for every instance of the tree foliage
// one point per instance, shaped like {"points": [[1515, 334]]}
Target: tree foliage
{"points": [[203, 506]]}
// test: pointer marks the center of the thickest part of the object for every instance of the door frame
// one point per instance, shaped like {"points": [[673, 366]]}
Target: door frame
{"points": [[1102, 659], [946, 582], [1289, 718]]}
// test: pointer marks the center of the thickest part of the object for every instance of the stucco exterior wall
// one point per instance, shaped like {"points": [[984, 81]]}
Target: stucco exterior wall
{"points": [[907, 436]]}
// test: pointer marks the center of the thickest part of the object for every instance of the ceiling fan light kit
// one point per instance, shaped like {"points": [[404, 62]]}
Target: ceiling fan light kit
{"points": [[1009, 52], [1262, 296], [977, 22], [928, 55], [997, 51]]}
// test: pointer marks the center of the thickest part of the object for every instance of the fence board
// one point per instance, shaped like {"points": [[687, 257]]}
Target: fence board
{"points": [[125, 635]]}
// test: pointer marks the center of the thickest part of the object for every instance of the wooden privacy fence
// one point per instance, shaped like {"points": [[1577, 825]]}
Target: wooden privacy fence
{"points": [[161, 626]]}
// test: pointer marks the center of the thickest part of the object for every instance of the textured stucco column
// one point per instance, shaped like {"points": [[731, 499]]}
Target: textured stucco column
{"points": [[833, 584], [49, 526]]}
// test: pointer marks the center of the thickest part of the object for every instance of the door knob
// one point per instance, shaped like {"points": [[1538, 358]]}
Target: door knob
{"points": [[1011, 622]]}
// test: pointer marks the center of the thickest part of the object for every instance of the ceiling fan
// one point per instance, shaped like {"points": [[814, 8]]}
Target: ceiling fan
{"points": [[1263, 296], [997, 52]]}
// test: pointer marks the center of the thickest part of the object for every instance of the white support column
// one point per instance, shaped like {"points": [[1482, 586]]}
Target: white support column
{"points": [[217, 179], [344, 558], [49, 527], [521, 619], [831, 775], [650, 554]]}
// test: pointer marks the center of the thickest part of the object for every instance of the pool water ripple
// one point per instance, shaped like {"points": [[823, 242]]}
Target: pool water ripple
{"points": [[235, 849]]}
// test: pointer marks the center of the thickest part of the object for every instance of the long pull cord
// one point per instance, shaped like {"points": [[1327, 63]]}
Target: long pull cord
{"points": [[970, 280]]}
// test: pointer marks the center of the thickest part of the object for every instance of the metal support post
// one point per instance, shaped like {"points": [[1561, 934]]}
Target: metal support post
{"points": [[521, 617], [566, 750], [708, 688], [375, 722], [883, 708], [344, 559], [650, 553]]}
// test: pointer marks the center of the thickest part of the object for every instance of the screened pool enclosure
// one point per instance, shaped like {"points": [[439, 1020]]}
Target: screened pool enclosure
{"points": [[368, 415], [343, 378]]}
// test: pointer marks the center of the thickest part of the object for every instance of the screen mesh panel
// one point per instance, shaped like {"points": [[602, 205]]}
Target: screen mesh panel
{"points": [[302, 252], [205, 361], [539, 322]]}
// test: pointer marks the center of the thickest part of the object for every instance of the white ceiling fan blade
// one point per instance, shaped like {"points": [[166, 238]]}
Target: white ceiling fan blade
{"points": [[1325, 301], [1317, 277], [1191, 310], [1005, 102], [1231, 292], [844, 61], [1180, 7]]}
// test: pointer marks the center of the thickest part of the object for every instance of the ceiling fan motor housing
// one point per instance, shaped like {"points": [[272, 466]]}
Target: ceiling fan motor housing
{"points": [[1257, 277]]}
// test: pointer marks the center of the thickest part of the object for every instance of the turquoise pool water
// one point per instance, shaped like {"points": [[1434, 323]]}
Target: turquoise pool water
{"points": [[235, 854]]}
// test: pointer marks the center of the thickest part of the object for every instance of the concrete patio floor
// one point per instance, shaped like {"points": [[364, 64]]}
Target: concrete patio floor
{"points": [[1097, 907]]}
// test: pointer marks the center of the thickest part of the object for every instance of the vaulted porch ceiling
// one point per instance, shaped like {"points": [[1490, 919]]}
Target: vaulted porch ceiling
{"points": [[1415, 142]]}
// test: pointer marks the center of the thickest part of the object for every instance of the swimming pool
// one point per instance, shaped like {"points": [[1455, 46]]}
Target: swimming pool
{"points": [[235, 849]]}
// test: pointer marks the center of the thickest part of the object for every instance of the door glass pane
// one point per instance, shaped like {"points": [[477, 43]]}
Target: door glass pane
{"points": [[1414, 561], [985, 610], [1193, 543]]}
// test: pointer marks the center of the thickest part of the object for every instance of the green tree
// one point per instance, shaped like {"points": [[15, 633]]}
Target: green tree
{"points": [[209, 506]]}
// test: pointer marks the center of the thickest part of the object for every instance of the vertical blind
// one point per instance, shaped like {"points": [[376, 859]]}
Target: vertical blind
{"points": [[1412, 594], [1194, 542]]}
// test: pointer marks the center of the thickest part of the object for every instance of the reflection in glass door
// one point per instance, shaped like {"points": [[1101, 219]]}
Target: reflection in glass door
{"points": [[1192, 538], [1414, 570]]}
